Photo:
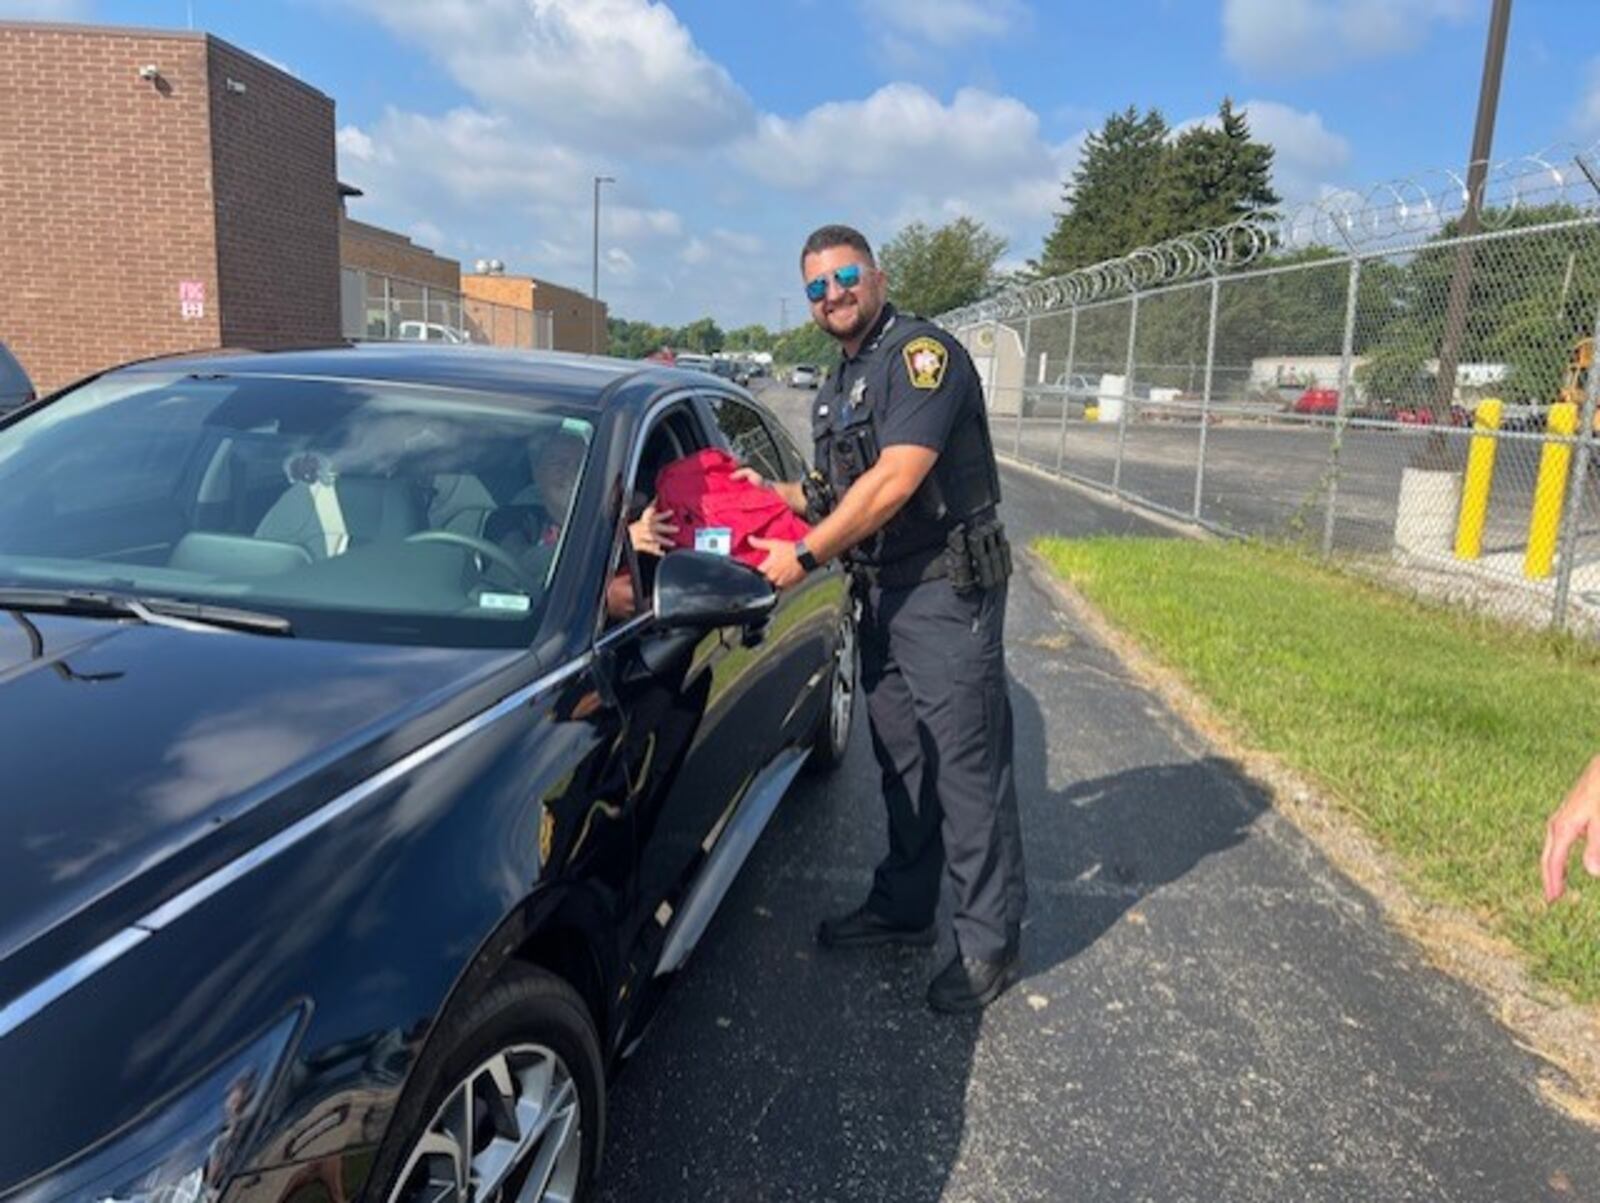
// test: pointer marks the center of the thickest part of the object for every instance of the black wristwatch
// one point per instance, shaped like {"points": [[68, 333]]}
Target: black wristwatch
{"points": [[803, 554]]}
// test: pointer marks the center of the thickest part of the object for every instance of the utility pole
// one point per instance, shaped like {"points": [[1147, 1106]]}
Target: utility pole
{"points": [[594, 291], [783, 314], [1471, 218]]}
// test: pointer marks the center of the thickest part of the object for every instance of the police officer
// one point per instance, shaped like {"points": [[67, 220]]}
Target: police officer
{"points": [[908, 500]]}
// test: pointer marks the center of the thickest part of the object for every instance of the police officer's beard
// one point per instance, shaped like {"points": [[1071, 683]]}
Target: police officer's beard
{"points": [[856, 329]]}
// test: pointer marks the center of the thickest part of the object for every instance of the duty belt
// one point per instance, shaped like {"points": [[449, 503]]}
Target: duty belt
{"points": [[930, 564]]}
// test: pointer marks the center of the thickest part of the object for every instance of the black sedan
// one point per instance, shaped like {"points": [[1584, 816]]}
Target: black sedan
{"points": [[364, 786]]}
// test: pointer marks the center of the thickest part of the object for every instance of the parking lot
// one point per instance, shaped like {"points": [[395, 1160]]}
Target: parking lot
{"points": [[1210, 1010], [1272, 479]]}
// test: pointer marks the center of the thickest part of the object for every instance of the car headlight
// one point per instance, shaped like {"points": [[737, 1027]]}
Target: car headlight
{"points": [[184, 1149]]}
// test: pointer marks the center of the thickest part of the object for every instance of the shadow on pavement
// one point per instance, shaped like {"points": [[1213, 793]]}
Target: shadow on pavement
{"points": [[778, 1072], [1098, 846]]}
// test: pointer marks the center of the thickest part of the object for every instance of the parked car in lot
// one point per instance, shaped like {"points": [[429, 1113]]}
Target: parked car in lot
{"points": [[1322, 402], [804, 375], [1074, 390], [433, 332], [695, 362], [349, 843], [15, 387]]}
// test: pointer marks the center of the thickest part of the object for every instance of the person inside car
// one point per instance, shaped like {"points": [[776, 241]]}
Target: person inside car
{"points": [[530, 526]]}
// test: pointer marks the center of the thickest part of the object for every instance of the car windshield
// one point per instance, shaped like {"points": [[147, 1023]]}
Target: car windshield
{"points": [[372, 512]]}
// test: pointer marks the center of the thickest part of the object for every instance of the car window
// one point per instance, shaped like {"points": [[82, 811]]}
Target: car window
{"points": [[795, 464], [748, 437], [357, 510]]}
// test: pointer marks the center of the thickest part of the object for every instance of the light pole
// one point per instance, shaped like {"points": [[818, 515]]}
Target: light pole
{"points": [[1477, 173], [783, 314], [594, 291]]}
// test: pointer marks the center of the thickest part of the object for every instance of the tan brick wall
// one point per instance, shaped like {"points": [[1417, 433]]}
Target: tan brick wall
{"points": [[277, 198], [386, 253], [95, 161], [572, 311], [516, 291]]}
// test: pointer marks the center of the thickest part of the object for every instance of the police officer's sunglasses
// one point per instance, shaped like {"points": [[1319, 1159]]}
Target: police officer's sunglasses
{"points": [[847, 276]]}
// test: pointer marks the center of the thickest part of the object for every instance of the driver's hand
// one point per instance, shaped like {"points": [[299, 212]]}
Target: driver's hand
{"points": [[748, 474], [653, 532]]}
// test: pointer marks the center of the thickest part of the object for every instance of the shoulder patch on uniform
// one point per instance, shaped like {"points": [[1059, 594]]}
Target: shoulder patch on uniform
{"points": [[926, 359]]}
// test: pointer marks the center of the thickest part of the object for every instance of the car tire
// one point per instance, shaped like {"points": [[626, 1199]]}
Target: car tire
{"points": [[526, 1046], [830, 739]]}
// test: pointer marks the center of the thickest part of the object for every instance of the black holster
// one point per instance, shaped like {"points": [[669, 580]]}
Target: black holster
{"points": [[978, 556]]}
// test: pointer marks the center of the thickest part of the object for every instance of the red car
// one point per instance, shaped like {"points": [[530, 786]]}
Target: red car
{"points": [[1322, 401]]}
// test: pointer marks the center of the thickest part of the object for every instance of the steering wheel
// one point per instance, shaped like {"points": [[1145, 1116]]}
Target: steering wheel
{"points": [[486, 549]]}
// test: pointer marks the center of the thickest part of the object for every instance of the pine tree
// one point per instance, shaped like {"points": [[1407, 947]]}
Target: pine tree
{"points": [[1117, 197], [1217, 173]]}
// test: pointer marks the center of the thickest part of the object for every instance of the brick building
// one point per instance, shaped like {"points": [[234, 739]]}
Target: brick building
{"points": [[391, 287], [160, 191], [573, 319]]}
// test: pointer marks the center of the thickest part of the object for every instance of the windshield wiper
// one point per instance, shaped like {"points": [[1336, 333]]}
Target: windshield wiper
{"points": [[157, 611]]}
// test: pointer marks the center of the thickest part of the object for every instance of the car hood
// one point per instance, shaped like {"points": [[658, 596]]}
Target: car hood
{"points": [[126, 744]]}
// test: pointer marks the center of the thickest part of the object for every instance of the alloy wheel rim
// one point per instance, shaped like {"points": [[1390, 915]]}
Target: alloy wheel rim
{"points": [[510, 1131], [841, 703]]}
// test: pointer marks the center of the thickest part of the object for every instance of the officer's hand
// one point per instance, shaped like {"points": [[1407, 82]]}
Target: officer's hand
{"points": [[748, 475], [1577, 818], [780, 567]]}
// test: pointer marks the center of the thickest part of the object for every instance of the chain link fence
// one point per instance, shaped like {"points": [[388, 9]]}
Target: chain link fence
{"points": [[1413, 400], [382, 308]]}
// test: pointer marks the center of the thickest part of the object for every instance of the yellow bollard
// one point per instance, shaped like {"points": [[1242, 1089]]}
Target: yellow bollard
{"points": [[1480, 475], [1544, 528]]}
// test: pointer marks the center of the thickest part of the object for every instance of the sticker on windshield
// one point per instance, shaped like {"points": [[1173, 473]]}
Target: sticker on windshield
{"points": [[718, 540], [515, 603]]}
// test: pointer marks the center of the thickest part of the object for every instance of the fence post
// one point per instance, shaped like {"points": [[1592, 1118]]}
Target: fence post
{"points": [[1127, 397], [1570, 520], [1205, 395], [1342, 404], [1022, 394], [1066, 397]]}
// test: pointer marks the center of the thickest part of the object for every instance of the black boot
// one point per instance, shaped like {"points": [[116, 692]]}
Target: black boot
{"points": [[862, 928], [971, 984]]}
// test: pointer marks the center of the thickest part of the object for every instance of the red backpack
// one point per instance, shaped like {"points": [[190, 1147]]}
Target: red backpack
{"points": [[702, 495]]}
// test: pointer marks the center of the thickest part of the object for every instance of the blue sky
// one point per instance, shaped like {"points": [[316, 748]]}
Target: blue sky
{"points": [[733, 128]]}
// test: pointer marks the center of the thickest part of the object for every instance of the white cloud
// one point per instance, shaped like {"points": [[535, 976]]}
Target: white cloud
{"points": [[1307, 153], [467, 157], [44, 10], [1300, 37], [622, 74], [900, 133], [915, 158], [1587, 117], [695, 251], [619, 263], [946, 23], [744, 244]]}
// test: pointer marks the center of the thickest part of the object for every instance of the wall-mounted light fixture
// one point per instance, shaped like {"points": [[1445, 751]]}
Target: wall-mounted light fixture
{"points": [[235, 86], [150, 71]]}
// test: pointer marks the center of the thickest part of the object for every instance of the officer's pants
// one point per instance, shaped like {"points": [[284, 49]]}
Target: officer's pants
{"points": [[933, 667]]}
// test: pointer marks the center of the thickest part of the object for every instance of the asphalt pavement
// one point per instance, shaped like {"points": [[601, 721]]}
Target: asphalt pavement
{"points": [[1209, 1010]]}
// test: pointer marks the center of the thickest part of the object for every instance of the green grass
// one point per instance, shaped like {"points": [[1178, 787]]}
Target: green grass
{"points": [[1448, 737]]}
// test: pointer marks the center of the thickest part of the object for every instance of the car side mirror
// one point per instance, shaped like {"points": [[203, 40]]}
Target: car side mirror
{"points": [[695, 589]]}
